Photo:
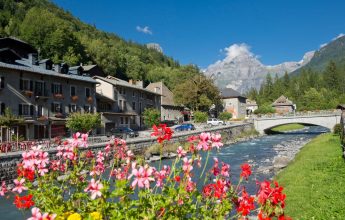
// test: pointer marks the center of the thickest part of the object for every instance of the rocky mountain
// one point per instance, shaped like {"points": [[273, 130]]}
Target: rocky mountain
{"points": [[334, 50], [242, 70]]}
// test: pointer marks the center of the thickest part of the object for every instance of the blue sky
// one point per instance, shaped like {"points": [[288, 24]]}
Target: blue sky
{"points": [[197, 31]]}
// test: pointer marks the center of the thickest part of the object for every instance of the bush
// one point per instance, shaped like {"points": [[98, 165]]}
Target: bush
{"points": [[151, 117], [337, 129], [83, 122], [265, 109], [225, 116], [200, 117]]}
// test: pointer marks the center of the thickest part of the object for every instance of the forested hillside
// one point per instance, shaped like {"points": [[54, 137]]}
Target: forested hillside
{"points": [[310, 90], [60, 36]]}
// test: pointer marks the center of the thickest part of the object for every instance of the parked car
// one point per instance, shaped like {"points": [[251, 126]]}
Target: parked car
{"points": [[214, 122], [122, 132], [185, 127], [169, 123]]}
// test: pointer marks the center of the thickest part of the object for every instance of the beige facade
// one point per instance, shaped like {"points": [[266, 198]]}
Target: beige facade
{"points": [[283, 105], [122, 103], [169, 110], [234, 103]]}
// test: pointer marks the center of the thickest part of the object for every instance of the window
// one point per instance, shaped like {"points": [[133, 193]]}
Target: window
{"points": [[2, 108], [133, 106], [126, 118], [140, 107], [120, 105], [87, 108], [56, 88], [124, 107], [121, 120], [141, 95], [133, 94], [115, 94], [40, 89], [26, 109], [133, 120], [72, 108], [26, 84], [87, 92], [39, 110], [104, 106], [2, 82], [73, 93], [56, 107]]}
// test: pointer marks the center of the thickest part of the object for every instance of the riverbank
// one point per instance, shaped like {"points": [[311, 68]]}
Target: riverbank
{"points": [[314, 180], [288, 127]]}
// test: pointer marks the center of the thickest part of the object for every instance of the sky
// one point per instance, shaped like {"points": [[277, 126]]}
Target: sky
{"points": [[201, 32]]}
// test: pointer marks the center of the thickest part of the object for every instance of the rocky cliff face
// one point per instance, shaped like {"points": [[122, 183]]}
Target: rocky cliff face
{"points": [[242, 70]]}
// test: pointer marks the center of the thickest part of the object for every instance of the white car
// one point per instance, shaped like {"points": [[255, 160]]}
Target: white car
{"points": [[214, 122]]}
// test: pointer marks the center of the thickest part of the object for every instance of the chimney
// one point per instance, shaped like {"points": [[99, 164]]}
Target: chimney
{"points": [[130, 81], [32, 57], [57, 68], [139, 84]]}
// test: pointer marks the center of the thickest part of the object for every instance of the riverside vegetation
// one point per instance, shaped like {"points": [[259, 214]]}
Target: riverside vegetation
{"points": [[288, 127], [75, 186], [314, 180]]}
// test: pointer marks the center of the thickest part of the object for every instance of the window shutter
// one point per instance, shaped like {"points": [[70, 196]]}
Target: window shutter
{"points": [[3, 108], [44, 89], [52, 107], [60, 88], [21, 84], [31, 110], [69, 108], [52, 88], [61, 107], [31, 85], [20, 109], [2, 82]]}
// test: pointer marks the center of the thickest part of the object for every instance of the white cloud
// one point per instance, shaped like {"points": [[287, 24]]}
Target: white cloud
{"points": [[145, 30], [237, 50]]}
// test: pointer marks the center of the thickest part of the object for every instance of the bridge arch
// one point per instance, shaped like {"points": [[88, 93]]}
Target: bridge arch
{"points": [[270, 129], [327, 121]]}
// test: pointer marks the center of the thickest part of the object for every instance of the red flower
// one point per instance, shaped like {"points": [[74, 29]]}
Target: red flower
{"points": [[208, 190], [246, 171], [24, 201], [177, 179], [245, 203], [27, 173], [162, 132]]}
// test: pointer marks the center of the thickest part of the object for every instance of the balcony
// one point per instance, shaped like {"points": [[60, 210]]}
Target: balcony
{"points": [[74, 98], [41, 95], [89, 100], [28, 93], [58, 96]]}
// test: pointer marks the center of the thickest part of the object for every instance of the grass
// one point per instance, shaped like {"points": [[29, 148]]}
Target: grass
{"points": [[288, 127], [314, 182]]}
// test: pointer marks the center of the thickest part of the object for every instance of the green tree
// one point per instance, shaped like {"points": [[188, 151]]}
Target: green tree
{"points": [[151, 117], [83, 122], [312, 100], [331, 77], [200, 117], [225, 116], [8, 120]]}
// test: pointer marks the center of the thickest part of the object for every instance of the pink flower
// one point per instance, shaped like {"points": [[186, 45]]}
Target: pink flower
{"points": [[19, 186], [142, 176], [42, 158], [225, 169], [204, 141], [94, 187], [3, 189], [42, 170], [37, 215], [190, 185], [215, 169], [161, 175], [216, 140], [187, 165], [181, 152]]}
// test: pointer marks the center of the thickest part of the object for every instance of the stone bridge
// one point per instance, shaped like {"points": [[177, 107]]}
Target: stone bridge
{"points": [[325, 120]]}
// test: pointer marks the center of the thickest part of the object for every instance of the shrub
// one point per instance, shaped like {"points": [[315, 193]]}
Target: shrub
{"points": [[151, 117], [265, 109], [83, 122], [225, 116], [200, 117], [337, 129]]}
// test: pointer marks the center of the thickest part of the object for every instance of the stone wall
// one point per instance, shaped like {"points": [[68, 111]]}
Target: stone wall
{"points": [[9, 161]]}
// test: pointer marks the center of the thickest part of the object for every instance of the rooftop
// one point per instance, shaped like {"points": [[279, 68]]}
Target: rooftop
{"points": [[230, 93], [282, 100]]}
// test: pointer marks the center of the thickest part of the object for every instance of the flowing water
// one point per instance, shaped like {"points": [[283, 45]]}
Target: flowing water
{"points": [[258, 152]]}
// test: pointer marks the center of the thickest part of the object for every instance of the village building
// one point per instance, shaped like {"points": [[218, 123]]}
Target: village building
{"points": [[283, 105], [234, 102], [41, 93], [122, 103], [169, 110]]}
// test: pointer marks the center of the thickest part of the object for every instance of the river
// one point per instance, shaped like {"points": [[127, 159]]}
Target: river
{"points": [[258, 152]]}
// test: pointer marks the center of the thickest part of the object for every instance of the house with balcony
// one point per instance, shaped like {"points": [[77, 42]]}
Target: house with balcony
{"points": [[122, 103], [169, 110], [40, 92]]}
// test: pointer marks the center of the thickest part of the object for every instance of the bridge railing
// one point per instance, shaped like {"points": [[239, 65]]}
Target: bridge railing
{"points": [[298, 114]]}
